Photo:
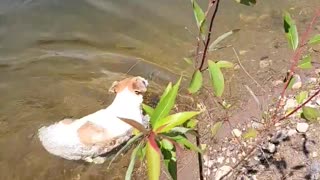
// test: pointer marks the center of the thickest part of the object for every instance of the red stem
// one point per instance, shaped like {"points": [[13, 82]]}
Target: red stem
{"points": [[300, 106], [209, 34], [295, 59]]}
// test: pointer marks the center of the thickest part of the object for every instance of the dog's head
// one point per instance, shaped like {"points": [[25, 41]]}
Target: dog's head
{"points": [[136, 85]]}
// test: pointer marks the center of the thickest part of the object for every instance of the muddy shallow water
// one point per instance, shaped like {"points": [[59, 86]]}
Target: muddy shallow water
{"points": [[58, 59]]}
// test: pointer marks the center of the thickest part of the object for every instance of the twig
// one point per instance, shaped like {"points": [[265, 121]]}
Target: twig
{"points": [[132, 66], [254, 97], [209, 33], [240, 64], [295, 58]]}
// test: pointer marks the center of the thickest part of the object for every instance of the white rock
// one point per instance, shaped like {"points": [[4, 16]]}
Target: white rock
{"points": [[314, 154], [236, 132], [222, 171], [209, 163], [292, 132], [220, 159], [265, 63], [277, 82], [312, 80], [302, 127], [290, 103], [234, 160], [271, 147], [297, 84], [236, 67]]}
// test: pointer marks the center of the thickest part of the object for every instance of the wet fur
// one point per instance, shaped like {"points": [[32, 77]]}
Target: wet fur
{"points": [[100, 132]]}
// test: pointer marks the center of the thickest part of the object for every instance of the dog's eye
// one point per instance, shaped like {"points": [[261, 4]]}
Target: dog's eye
{"points": [[137, 92]]}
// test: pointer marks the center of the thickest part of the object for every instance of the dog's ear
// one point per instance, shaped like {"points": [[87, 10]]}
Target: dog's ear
{"points": [[113, 88]]}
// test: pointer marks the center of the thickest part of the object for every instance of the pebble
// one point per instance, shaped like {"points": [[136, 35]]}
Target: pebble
{"points": [[271, 148], [311, 80], [290, 103], [234, 160], [297, 84], [222, 171], [277, 82], [302, 127], [236, 132], [314, 154], [220, 159], [236, 67], [292, 132], [265, 63]]}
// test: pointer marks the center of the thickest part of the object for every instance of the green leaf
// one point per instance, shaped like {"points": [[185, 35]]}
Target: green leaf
{"points": [[290, 29], [311, 114], [142, 152], [153, 159], [196, 82], [131, 141], [305, 63], [301, 97], [169, 122], [199, 16], [247, 2], [216, 127], [213, 45], [188, 60], [148, 109], [292, 81], [165, 105], [166, 91], [217, 78], [166, 144], [170, 161], [184, 141], [224, 64], [183, 130], [192, 123], [251, 133], [315, 39], [132, 162]]}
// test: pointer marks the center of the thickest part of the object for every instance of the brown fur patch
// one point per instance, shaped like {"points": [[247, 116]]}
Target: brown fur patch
{"points": [[92, 134], [133, 84]]}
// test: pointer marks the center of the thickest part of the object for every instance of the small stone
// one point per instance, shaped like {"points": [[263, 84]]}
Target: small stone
{"points": [[234, 160], [236, 67], [257, 125], [220, 159], [209, 163], [277, 82], [314, 154], [271, 148], [311, 80], [222, 171], [290, 103], [265, 63], [242, 52], [302, 127], [297, 84], [236, 132], [277, 124], [292, 132], [227, 160]]}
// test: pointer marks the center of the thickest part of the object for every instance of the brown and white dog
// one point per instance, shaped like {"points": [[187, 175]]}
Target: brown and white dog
{"points": [[98, 133]]}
